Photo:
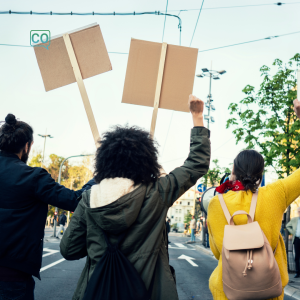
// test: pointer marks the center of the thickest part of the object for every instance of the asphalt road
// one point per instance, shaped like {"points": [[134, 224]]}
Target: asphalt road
{"points": [[193, 269]]}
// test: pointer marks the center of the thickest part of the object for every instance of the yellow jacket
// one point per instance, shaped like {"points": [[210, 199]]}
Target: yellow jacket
{"points": [[273, 200]]}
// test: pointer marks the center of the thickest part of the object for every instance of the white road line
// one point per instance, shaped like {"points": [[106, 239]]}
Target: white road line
{"points": [[50, 252], [180, 248], [188, 259], [180, 245], [51, 265]]}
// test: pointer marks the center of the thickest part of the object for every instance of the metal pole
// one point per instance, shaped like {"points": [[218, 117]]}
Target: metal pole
{"points": [[209, 99], [45, 137], [59, 181]]}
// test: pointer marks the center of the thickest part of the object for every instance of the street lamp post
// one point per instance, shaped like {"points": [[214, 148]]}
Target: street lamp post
{"points": [[212, 74], [45, 137], [59, 181]]}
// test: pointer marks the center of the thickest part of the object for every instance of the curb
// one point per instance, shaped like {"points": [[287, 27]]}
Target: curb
{"points": [[288, 290]]}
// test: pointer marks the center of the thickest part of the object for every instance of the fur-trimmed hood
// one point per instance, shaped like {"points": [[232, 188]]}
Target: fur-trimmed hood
{"points": [[115, 203]]}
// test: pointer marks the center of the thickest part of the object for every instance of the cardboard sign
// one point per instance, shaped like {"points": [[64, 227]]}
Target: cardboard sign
{"points": [[90, 52], [142, 73]]}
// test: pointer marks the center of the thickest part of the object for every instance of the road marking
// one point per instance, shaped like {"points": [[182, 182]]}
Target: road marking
{"points": [[51, 265], [50, 252], [180, 245], [188, 259], [171, 247]]}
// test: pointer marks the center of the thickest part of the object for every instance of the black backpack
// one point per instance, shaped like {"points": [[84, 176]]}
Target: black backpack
{"points": [[115, 278]]}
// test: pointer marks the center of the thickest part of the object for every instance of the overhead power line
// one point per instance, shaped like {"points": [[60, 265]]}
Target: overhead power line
{"points": [[236, 6], [51, 13], [197, 22], [242, 43], [232, 45]]}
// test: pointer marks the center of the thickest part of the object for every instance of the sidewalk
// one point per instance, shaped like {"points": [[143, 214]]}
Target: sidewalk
{"points": [[292, 289]]}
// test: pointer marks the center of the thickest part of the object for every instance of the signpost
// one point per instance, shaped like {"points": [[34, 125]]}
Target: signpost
{"points": [[72, 57], [159, 76]]}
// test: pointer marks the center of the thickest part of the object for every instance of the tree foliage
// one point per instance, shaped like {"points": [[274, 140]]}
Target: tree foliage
{"points": [[72, 177], [213, 176], [266, 119]]}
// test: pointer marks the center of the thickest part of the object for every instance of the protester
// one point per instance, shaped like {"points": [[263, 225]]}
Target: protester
{"points": [[198, 229], [193, 227], [293, 228], [168, 228], [62, 222], [272, 202], [25, 195], [131, 198]]}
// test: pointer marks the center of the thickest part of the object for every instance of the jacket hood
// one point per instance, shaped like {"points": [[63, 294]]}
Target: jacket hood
{"points": [[114, 204]]}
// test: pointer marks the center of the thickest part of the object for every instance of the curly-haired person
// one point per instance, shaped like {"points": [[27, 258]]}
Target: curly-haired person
{"points": [[131, 196]]}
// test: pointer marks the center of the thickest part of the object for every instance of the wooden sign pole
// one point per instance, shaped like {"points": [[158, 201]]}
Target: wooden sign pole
{"points": [[158, 87], [81, 86]]}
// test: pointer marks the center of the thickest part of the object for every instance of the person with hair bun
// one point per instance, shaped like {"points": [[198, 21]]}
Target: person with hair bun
{"points": [[132, 197], [272, 201], [25, 195]]}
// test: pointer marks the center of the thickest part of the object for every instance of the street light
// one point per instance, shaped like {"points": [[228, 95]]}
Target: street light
{"points": [[45, 137], [212, 74], [59, 180]]}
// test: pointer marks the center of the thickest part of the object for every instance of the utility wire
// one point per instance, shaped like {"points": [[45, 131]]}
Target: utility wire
{"points": [[10, 12], [267, 38], [197, 22], [237, 6], [165, 21]]}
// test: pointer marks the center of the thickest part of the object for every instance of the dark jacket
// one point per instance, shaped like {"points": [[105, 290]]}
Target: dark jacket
{"points": [[62, 220], [142, 213], [25, 193], [168, 227]]}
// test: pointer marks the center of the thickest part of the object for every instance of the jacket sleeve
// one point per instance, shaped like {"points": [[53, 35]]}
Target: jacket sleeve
{"points": [[73, 242], [173, 185], [212, 244], [289, 227], [50, 192]]}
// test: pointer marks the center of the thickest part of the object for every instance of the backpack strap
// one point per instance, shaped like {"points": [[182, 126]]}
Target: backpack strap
{"points": [[253, 205], [224, 207]]}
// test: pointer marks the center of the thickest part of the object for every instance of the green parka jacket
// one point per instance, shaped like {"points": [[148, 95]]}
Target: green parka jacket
{"points": [[143, 214]]}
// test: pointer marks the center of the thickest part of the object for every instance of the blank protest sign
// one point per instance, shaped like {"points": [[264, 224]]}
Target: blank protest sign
{"points": [[142, 72], [90, 51]]}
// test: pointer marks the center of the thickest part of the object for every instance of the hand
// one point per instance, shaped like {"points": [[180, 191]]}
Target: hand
{"points": [[297, 107], [196, 107]]}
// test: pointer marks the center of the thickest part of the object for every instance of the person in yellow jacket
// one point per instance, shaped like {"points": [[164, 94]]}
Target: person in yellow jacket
{"points": [[272, 202]]}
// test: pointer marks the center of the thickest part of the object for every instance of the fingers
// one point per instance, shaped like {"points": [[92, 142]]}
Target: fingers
{"points": [[196, 105]]}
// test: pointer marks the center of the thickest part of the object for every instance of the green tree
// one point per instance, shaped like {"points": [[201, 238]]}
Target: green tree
{"points": [[187, 219], [212, 177], [266, 120]]}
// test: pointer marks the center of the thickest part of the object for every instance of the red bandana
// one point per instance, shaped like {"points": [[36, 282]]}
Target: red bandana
{"points": [[230, 186]]}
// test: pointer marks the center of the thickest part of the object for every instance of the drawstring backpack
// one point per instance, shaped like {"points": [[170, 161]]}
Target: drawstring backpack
{"points": [[250, 270], [115, 278]]}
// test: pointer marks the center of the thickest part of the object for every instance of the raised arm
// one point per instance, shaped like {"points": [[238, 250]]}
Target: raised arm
{"points": [[50, 192], [173, 185]]}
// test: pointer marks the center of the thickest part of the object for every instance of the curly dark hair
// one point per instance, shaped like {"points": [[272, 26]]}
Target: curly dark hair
{"points": [[248, 168], [127, 152], [14, 135]]}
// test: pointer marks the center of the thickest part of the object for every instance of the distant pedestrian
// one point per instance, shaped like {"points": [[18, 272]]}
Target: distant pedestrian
{"points": [[25, 194], [198, 226], [193, 228], [62, 222], [168, 230], [293, 228]]}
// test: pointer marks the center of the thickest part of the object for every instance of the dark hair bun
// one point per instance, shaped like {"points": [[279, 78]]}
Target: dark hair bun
{"points": [[11, 120]]}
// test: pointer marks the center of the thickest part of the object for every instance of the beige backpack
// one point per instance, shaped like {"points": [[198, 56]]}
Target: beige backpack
{"points": [[250, 270]]}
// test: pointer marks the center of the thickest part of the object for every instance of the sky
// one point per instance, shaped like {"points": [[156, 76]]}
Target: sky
{"points": [[61, 111]]}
